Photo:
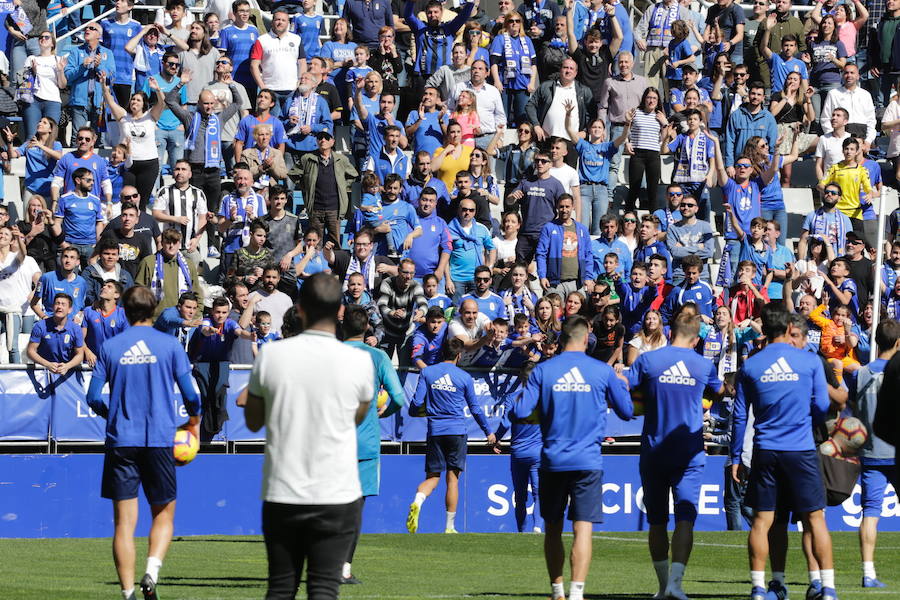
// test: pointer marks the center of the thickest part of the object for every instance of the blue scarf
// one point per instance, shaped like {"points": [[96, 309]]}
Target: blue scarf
{"points": [[157, 283], [470, 241], [213, 139]]}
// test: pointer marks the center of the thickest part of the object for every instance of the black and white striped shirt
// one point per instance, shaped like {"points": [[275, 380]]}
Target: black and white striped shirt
{"points": [[189, 202]]}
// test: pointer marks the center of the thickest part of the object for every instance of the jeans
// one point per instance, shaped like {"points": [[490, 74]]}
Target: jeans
{"points": [[779, 215], [615, 162], [524, 472], [19, 51], [319, 535], [12, 324], [595, 204], [35, 111], [460, 289], [228, 154], [735, 511], [170, 144], [818, 99], [81, 116], [281, 98], [514, 102]]}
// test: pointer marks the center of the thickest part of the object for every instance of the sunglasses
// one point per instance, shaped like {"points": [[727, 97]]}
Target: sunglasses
{"points": [[832, 193], [854, 242], [675, 194], [130, 196], [483, 279], [82, 138], [742, 74], [514, 21], [629, 220], [222, 62], [176, 64], [542, 160], [45, 37], [466, 210], [743, 165], [688, 205]]}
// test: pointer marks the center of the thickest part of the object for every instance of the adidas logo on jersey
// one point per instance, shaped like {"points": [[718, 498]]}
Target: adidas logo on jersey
{"points": [[779, 371], [677, 374], [571, 382], [444, 383], [139, 354]]}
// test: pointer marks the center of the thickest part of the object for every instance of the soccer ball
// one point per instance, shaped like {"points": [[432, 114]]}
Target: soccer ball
{"points": [[185, 447], [382, 398], [850, 434], [830, 448]]}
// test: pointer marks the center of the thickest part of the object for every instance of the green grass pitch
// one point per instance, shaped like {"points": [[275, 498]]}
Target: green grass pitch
{"points": [[400, 567]]}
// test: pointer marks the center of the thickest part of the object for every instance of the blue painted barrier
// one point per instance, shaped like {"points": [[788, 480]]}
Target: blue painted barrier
{"points": [[39, 402], [58, 496]]}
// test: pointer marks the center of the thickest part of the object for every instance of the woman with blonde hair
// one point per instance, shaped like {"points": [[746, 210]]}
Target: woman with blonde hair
{"points": [[40, 241]]}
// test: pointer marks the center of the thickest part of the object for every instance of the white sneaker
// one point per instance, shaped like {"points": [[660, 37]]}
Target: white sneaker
{"points": [[675, 592]]}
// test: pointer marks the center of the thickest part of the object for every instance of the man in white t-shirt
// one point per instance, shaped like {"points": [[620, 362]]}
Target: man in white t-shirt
{"points": [[269, 298], [565, 173], [272, 60], [830, 149], [473, 328], [311, 492], [19, 273]]}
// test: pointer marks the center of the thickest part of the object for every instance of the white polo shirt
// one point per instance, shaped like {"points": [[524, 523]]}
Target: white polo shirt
{"points": [[312, 386], [278, 60]]}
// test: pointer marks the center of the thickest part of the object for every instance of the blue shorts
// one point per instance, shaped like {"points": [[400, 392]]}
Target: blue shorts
{"points": [[874, 480], [445, 452], [785, 480], [124, 469], [581, 490], [657, 478], [369, 476]]}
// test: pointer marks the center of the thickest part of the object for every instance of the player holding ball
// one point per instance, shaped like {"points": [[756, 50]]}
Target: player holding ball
{"points": [[141, 365]]}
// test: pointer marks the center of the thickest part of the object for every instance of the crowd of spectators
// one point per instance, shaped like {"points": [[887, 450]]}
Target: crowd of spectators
{"points": [[152, 149]]}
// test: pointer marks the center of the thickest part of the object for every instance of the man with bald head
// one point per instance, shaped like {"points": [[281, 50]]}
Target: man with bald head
{"points": [[473, 245], [546, 107], [203, 138], [474, 329]]}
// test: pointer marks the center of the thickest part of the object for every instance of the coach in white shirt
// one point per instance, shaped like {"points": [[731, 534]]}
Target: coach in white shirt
{"points": [[857, 102], [310, 391], [487, 97]]}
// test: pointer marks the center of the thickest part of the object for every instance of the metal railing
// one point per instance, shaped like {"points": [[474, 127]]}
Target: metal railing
{"points": [[57, 18]]}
